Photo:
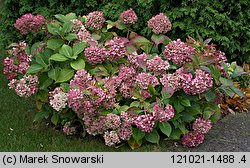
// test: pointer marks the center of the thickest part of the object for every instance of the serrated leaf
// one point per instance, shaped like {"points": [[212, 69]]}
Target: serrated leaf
{"points": [[67, 27], [78, 64], [71, 37], [65, 87], [210, 95], [79, 47], [54, 43], [34, 68], [135, 104], [65, 75], [43, 114], [151, 89], [66, 50], [158, 38], [55, 118], [138, 134], [58, 57], [185, 102], [165, 128], [153, 137], [53, 73]]}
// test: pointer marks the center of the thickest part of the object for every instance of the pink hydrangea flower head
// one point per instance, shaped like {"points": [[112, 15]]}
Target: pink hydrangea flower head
{"points": [[202, 125], [160, 24], [95, 55], [179, 52], [84, 35], [58, 99], [125, 132], [115, 49], [75, 99], [157, 65], [81, 80], [171, 81], [145, 79], [113, 121], [29, 23], [97, 126], [192, 139], [26, 86], [111, 138], [127, 118], [162, 115], [128, 17], [145, 122], [77, 26], [202, 82], [69, 130], [127, 74], [95, 20], [137, 60]]}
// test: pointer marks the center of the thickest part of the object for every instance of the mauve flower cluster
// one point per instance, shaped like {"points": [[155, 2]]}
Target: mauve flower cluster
{"points": [[84, 35], [172, 81], [145, 79], [160, 24], [179, 52], [145, 122], [18, 62], [77, 26], [95, 55], [202, 82], [162, 115], [157, 65], [111, 138], [192, 139], [30, 23], [202, 125], [58, 99], [128, 17], [138, 60], [95, 20], [69, 130], [26, 86], [115, 49]]}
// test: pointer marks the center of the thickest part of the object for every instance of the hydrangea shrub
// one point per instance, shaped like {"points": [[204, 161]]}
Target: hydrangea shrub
{"points": [[99, 77]]}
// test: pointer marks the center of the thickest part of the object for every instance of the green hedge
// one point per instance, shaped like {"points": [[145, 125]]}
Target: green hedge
{"points": [[225, 21]]}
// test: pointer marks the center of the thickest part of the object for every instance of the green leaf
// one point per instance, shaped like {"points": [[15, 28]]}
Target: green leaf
{"points": [[55, 118], [208, 112], [227, 90], [120, 25], [182, 127], [43, 114], [178, 107], [226, 82], [153, 137], [165, 128], [175, 134], [58, 57], [34, 47], [185, 102], [123, 108], [45, 84], [151, 90], [54, 28], [40, 60], [138, 134], [78, 64], [194, 109], [237, 91], [71, 37], [67, 27], [158, 38], [66, 51], [65, 75], [135, 104], [65, 87], [54, 43], [215, 117], [210, 95], [79, 47], [187, 117], [53, 73], [61, 17], [215, 72], [34, 68]]}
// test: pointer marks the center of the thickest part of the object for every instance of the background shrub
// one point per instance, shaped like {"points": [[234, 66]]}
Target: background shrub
{"points": [[225, 21]]}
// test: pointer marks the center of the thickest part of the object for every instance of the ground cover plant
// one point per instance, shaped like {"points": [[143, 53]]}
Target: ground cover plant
{"points": [[95, 76]]}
